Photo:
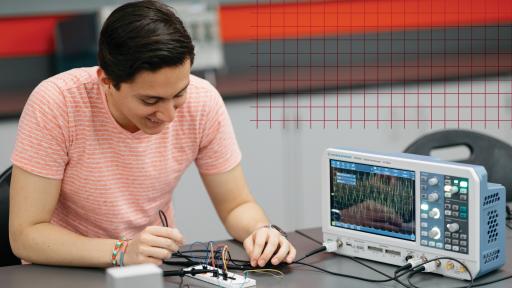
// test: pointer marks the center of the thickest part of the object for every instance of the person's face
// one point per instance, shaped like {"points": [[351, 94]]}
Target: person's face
{"points": [[150, 101]]}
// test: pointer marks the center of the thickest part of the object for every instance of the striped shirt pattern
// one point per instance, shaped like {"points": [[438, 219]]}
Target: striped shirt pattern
{"points": [[114, 181]]}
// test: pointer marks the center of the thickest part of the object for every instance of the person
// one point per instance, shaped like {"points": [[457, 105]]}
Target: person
{"points": [[99, 151]]}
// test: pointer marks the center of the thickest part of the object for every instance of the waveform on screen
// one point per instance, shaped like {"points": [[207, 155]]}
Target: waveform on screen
{"points": [[374, 200]]}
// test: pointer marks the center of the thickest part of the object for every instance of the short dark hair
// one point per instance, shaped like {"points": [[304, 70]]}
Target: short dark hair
{"points": [[142, 36]]}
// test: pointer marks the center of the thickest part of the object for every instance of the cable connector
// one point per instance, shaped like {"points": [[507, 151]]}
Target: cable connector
{"points": [[331, 245], [411, 262], [416, 271], [415, 261], [431, 266]]}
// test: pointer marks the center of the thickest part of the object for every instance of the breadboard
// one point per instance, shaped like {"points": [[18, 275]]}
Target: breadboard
{"points": [[233, 280]]}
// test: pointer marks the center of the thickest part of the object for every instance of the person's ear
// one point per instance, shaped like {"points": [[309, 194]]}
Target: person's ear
{"points": [[104, 79]]}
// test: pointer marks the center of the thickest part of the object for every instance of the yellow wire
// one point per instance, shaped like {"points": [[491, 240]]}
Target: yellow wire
{"points": [[212, 255], [224, 259]]}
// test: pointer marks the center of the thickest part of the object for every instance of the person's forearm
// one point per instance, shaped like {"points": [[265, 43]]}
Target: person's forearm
{"points": [[244, 219], [50, 244]]}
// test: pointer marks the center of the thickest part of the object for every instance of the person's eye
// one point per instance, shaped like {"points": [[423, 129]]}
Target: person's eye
{"points": [[149, 101]]}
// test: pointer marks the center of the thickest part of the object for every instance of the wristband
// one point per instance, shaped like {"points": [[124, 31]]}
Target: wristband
{"points": [[272, 226], [119, 246], [122, 251]]}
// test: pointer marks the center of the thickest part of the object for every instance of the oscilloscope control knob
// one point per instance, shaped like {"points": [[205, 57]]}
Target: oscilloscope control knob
{"points": [[434, 213], [433, 181], [453, 227], [433, 197], [434, 233]]}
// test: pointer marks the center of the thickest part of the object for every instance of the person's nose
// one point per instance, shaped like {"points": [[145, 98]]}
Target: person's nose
{"points": [[167, 112]]}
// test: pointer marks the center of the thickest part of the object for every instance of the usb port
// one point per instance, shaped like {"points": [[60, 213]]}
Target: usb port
{"points": [[375, 249], [393, 252]]}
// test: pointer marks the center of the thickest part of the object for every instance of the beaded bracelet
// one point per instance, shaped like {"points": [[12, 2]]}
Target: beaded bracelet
{"points": [[121, 253], [120, 245]]}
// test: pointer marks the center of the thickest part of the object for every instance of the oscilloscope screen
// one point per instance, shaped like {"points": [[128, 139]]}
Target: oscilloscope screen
{"points": [[373, 199]]}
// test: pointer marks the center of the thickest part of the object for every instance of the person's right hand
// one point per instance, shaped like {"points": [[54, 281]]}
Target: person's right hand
{"points": [[153, 245]]}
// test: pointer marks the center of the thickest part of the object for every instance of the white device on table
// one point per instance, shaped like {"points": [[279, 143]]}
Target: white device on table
{"points": [[135, 276], [231, 280]]}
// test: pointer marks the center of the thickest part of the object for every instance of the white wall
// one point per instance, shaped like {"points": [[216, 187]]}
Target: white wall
{"points": [[282, 165], [8, 137]]}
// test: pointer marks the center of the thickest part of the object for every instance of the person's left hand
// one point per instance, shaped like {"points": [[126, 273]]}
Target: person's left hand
{"points": [[263, 243]]}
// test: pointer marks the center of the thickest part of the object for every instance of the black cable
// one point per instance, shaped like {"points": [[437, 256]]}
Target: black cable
{"points": [[307, 236], [378, 271], [422, 265], [352, 258], [313, 252], [163, 218], [192, 272], [353, 276]]}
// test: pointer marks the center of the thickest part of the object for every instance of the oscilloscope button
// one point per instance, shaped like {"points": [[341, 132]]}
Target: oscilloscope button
{"points": [[453, 227], [432, 197], [433, 181], [434, 213], [434, 233]]}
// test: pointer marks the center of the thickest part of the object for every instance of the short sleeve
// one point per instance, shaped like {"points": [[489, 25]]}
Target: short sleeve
{"points": [[42, 137], [218, 148]]}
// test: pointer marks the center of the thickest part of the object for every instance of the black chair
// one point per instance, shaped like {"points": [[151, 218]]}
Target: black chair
{"points": [[493, 154], [6, 256]]}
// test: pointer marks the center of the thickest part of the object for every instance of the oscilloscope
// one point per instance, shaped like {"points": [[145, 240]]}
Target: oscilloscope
{"points": [[394, 207]]}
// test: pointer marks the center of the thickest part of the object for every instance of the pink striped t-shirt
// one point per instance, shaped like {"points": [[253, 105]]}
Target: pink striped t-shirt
{"points": [[114, 181]]}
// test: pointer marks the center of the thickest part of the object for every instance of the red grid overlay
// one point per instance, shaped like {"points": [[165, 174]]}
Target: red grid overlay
{"points": [[391, 63]]}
